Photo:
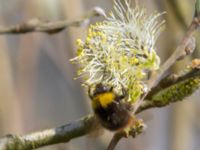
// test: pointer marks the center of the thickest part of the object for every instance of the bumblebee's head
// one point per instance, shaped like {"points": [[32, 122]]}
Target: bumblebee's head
{"points": [[101, 95], [100, 88]]}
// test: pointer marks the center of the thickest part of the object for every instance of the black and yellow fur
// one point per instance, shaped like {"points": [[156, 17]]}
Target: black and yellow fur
{"points": [[109, 108]]}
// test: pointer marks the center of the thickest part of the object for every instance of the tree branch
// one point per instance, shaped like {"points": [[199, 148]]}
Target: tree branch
{"points": [[48, 137], [36, 25], [174, 88]]}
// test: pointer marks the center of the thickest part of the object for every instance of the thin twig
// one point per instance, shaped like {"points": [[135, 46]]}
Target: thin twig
{"points": [[36, 25], [116, 138], [175, 8], [180, 52]]}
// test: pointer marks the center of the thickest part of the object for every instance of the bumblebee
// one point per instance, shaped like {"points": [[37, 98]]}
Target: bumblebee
{"points": [[112, 112]]}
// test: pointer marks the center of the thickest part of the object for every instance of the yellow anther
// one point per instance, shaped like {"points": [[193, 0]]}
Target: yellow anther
{"points": [[88, 40], [127, 43], [79, 42]]}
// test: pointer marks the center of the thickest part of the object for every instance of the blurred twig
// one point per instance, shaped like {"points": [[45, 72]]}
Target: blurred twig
{"points": [[177, 12], [36, 25]]}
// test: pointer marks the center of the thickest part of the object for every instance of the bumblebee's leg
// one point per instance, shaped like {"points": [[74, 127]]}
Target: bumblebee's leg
{"points": [[111, 89], [124, 93], [89, 93]]}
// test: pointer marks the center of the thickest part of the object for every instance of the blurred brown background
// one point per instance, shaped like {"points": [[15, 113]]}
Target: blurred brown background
{"points": [[37, 89]]}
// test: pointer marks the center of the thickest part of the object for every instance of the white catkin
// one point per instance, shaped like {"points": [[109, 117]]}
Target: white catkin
{"points": [[121, 49]]}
